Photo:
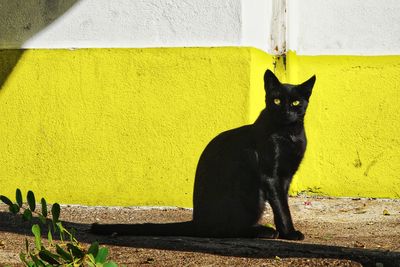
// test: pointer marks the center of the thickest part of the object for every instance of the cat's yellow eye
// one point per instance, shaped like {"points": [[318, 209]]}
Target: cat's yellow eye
{"points": [[277, 101], [295, 103]]}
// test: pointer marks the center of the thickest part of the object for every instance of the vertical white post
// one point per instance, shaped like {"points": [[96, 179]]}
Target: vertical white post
{"points": [[278, 27]]}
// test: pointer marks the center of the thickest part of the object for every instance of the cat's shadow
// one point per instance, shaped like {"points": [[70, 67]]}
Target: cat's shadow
{"points": [[232, 247]]}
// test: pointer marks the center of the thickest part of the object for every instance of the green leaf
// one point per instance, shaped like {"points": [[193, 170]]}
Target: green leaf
{"points": [[37, 234], [94, 249], [50, 237], [18, 197], [386, 212], [62, 230], [75, 251], [27, 216], [31, 200], [61, 227], [49, 257], [72, 234], [44, 207], [42, 219], [38, 263], [65, 255], [269, 225], [110, 264], [22, 257], [6, 200], [14, 208], [102, 255], [91, 259], [76, 262], [55, 212]]}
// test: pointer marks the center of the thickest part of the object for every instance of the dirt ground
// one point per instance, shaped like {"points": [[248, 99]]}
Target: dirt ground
{"points": [[339, 232]]}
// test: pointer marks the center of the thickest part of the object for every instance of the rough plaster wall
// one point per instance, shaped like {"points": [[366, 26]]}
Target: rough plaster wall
{"points": [[88, 116], [343, 27], [352, 125], [117, 126], [126, 23], [313, 27], [256, 24], [22, 20]]}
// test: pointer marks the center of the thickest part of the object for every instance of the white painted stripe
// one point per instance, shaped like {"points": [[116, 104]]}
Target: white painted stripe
{"points": [[313, 27], [127, 23], [340, 27], [256, 24]]}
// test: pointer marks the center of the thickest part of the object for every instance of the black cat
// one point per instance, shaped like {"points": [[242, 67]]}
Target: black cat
{"points": [[242, 168]]}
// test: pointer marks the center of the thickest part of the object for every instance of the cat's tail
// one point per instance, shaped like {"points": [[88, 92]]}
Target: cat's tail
{"points": [[146, 229]]}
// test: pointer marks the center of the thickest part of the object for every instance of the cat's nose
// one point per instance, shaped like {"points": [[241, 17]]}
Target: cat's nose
{"points": [[290, 116]]}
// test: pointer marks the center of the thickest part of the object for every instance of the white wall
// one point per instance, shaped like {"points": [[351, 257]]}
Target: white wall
{"points": [[340, 27], [256, 24], [309, 27], [138, 23]]}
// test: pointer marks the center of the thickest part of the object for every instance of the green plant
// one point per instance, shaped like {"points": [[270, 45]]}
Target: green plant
{"points": [[68, 251]]}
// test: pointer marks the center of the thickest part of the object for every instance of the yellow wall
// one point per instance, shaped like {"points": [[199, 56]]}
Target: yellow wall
{"points": [[352, 123], [127, 126], [116, 126]]}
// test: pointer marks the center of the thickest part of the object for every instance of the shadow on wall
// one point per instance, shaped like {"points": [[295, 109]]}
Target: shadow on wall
{"points": [[20, 20], [8, 59]]}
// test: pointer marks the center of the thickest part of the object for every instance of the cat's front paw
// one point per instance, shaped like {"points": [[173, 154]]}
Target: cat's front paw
{"points": [[294, 235]]}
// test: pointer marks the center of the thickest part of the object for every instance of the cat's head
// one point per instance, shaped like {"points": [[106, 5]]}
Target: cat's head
{"points": [[287, 103]]}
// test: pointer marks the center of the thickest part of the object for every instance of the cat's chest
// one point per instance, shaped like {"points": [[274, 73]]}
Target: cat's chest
{"points": [[283, 153], [288, 145]]}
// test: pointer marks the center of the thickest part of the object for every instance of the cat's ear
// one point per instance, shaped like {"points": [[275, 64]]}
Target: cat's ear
{"points": [[307, 86], [270, 80]]}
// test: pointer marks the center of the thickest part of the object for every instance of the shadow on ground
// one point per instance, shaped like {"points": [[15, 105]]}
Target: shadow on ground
{"points": [[250, 248]]}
